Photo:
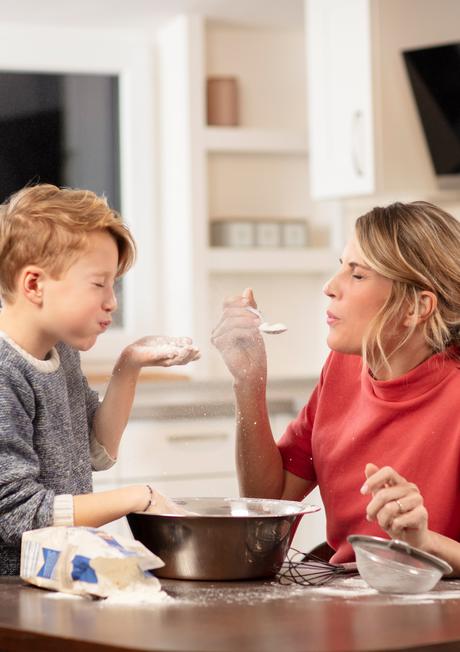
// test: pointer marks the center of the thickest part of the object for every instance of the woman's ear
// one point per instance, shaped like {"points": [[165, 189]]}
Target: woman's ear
{"points": [[427, 303], [31, 282]]}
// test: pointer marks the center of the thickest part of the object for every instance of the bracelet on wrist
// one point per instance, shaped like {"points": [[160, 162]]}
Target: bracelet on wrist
{"points": [[149, 504]]}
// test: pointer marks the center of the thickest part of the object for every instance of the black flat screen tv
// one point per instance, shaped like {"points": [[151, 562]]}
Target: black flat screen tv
{"points": [[61, 129], [434, 75]]}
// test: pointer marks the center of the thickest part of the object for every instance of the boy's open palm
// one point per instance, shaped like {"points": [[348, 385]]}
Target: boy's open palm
{"points": [[162, 351]]}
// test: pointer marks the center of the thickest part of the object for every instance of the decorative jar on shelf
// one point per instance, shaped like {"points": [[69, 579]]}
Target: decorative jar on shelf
{"points": [[222, 101]]}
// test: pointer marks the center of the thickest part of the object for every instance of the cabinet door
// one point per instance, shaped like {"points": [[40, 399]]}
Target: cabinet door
{"points": [[153, 450], [339, 94]]}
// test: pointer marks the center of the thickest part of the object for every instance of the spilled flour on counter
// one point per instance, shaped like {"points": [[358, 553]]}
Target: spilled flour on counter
{"points": [[59, 595], [252, 593], [355, 587], [136, 595], [226, 593], [348, 588], [139, 595]]}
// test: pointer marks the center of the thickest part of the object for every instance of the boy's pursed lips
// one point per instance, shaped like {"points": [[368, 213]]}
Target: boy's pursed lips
{"points": [[105, 324]]}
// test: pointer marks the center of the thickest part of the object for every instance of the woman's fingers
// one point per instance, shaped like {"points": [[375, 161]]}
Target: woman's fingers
{"points": [[248, 294], [386, 476], [240, 337], [386, 512], [400, 497], [396, 504], [235, 321], [238, 301], [415, 519], [235, 318]]}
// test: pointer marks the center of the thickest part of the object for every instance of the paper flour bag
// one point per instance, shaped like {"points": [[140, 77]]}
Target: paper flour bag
{"points": [[86, 561]]}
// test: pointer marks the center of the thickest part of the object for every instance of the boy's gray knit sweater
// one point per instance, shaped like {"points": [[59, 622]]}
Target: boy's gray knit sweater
{"points": [[45, 423]]}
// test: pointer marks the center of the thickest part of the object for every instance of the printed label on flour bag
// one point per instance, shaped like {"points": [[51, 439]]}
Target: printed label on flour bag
{"points": [[86, 561]]}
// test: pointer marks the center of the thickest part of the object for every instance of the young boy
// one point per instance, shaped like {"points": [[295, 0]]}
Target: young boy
{"points": [[60, 253]]}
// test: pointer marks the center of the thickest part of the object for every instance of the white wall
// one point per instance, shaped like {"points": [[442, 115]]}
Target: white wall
{"points": [[401, 25]]}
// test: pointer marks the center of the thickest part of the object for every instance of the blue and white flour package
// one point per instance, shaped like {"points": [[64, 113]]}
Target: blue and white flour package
{"points": [[86, 561]]}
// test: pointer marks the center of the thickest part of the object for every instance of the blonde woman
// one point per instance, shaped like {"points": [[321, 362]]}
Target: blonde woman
{"points": [[379, 434]]}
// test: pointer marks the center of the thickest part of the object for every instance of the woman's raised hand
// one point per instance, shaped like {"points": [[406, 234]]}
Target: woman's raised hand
{"points": [[238, 339], [396, 505]]}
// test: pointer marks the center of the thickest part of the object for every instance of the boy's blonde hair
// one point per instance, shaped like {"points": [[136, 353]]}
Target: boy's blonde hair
{"points": [[48, 226], [417, 246]]}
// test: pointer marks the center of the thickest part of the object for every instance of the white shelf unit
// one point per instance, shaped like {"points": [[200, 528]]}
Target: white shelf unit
{"points": [[254, 170], [269, 141], [312, 261]]}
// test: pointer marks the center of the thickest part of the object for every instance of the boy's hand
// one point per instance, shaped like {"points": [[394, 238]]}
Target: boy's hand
{"points": [[162, 351], [161, 504]]}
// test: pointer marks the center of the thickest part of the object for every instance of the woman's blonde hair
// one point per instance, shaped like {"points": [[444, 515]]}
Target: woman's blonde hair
{"points": [[417, 246], [48, 226]]}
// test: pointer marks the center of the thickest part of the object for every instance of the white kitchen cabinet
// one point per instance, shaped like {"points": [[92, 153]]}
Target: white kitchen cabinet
{"points": [[177, 449], [255, 171], [340, 110], [364, 133], [183, 457]]}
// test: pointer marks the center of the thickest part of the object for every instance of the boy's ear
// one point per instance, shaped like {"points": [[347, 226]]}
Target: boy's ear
{"points": [[31, 282], [427, 304]]}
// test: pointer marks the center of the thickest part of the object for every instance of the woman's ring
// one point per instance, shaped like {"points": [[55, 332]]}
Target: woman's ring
{"points": [[400, 507]]}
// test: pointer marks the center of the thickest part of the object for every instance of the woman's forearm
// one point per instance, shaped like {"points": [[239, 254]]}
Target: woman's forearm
{"points": [[445, 548], [259, 464]]}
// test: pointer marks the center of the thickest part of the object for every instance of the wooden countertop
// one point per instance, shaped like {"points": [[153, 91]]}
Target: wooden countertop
{"points": [[229, 617]]}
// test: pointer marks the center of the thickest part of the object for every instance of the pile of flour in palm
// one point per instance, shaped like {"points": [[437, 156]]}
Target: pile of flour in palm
{"points": [[162, 347]]}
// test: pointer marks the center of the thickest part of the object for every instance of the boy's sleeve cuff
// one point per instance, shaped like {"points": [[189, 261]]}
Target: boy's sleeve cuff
{"points": [[63, 510], [100, 459]]}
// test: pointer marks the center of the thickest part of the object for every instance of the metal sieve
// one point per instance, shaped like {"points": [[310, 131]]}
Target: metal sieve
{"points": [[393, 566]]}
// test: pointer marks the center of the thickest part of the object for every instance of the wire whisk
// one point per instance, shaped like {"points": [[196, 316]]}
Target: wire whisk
{"points": [[307, 569]]}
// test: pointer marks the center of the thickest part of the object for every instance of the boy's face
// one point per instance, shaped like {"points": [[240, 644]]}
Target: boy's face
{"points": [[78, 306]]}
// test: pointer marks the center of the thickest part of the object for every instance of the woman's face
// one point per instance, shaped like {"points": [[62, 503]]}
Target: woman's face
{"points": [[356, 294]]}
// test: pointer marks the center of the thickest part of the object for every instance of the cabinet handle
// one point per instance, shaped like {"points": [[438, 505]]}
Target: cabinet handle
{"points": [[185, 438], [356, 127]]}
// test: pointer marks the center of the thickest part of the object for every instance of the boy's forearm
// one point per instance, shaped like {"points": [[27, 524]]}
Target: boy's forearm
{"points": [[112, 415], [259, 466], [94, 510]]}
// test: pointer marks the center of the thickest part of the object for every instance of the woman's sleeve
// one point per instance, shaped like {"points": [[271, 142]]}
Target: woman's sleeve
{"points": [[295, 444], [25, 504]]}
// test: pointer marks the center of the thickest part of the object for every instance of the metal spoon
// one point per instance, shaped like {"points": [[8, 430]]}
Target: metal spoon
{"points": [[265, 327]]}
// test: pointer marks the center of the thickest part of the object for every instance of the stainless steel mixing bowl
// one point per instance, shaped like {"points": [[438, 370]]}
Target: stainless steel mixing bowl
{"points": [[223, 539]]}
